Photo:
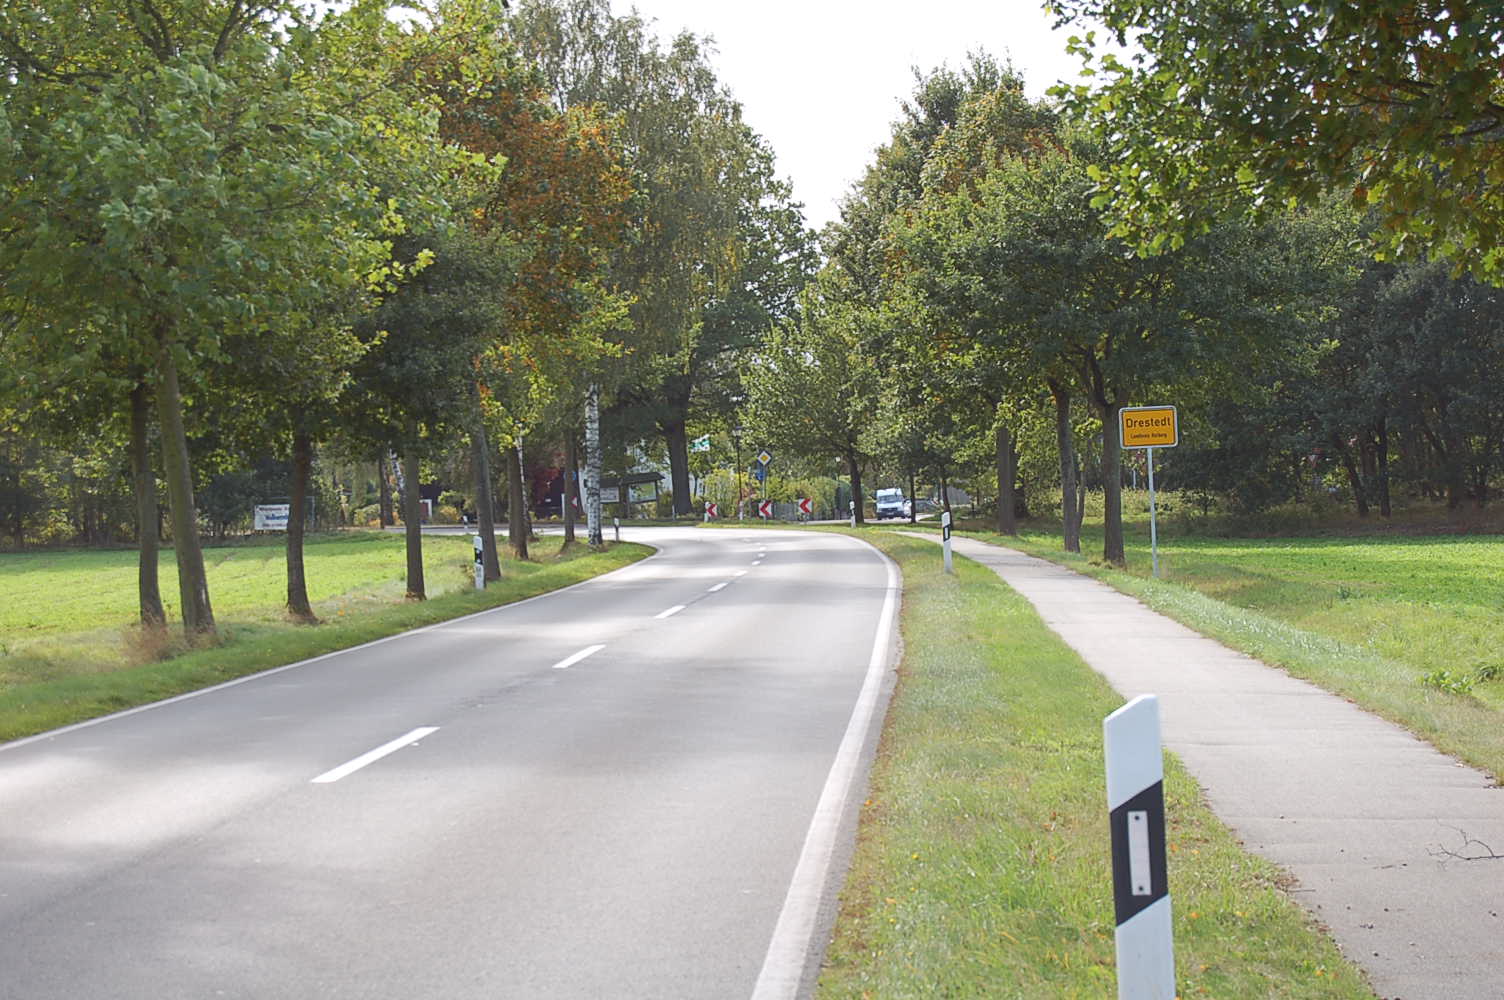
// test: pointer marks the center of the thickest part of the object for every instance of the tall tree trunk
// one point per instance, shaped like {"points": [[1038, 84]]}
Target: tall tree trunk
{"points": [[593, 534], [1007, 473], [412, 518], [516, 503], [1112, 481], [571, 470], [145, 484], [856, 486], [339, 493], [1354, 475], [193, 583], [678, 464], [297, 581], [485, 499], [1065, 443], [527, 493], [1381, 450], [1080, 501], [386, 515]]}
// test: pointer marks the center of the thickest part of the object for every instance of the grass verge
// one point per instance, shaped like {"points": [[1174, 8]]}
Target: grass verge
{"points": [[1376, 619], [982, 866], [64, 683]]}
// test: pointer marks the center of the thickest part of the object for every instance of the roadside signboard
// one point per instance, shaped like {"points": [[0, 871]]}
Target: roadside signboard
{"points": [[764, 457], [1149, 426], [712, 511], [700, 443], [270, 516], [806, 505], [764, 508]]}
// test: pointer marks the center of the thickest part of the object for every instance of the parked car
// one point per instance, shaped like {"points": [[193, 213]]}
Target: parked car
{"points": [[891, 503]]}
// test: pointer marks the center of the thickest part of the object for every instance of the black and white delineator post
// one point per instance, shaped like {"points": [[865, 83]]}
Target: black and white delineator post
{"points": [[616, 523], [945, 540], [480, 563], [1140, 887]]}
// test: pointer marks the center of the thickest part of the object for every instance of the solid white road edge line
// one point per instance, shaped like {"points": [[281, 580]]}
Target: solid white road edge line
{"points": [[370, 757], [570, 661], [272, 671], [670, 612], [783, 967]]}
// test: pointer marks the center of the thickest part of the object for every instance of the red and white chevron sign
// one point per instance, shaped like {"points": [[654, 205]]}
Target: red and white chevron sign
{"points": [[711, 510], [764, 508], [806, 505]]}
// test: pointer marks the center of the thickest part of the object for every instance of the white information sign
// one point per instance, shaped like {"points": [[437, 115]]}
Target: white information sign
{"points": [[270, 516]]}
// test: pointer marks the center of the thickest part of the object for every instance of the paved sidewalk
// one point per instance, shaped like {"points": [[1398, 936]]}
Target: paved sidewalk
{"points": [[1354, 807]]}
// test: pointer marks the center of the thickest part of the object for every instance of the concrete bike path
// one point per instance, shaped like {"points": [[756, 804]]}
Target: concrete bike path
{"points": [[1357, 809]]}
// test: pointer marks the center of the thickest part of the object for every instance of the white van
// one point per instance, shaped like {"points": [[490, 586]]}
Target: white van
{"points": [[890, 503]]}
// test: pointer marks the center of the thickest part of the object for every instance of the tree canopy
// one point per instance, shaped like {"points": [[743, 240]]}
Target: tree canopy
{"points": [[1224, 104]]}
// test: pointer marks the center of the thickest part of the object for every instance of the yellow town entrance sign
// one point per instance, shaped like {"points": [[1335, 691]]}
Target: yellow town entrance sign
{"points": [[1148, 427]]}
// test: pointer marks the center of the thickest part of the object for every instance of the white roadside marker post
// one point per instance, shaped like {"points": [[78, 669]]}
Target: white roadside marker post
{"points": [[616, 523], [480, 562], [1140, 886], [945, 540]]}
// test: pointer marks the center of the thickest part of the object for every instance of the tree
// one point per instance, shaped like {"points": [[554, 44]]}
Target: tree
{"points": [[1240, 103], [1028, 271], [1412, 371], [415, 385], [811, 391], [955, 124], [187, 173], [994, 123], [561, 208], [717, 247]]}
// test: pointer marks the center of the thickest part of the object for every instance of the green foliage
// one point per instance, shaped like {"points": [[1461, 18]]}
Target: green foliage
{"points": [[1244, 104], [717, 251], [1449, 681], [812, 392], [419, 369], [183, 179]]}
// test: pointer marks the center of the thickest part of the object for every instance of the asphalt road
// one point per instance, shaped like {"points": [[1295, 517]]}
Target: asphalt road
{"points": [[618, 790]]}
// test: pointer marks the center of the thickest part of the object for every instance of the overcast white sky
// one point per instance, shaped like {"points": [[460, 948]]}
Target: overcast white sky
{"points": [[821, 80]]}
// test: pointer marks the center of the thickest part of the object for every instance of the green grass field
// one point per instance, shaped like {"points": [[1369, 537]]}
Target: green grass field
{"points": [[65, 591], [983, 865], [70, 648], [1409, 626]]}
